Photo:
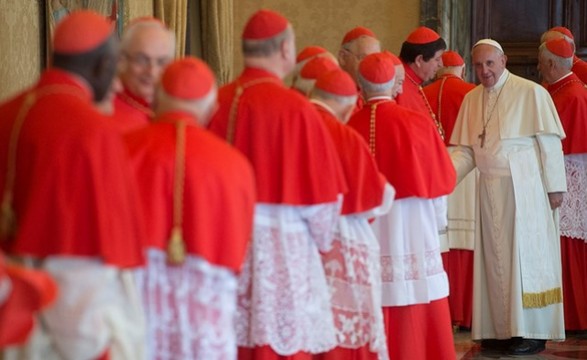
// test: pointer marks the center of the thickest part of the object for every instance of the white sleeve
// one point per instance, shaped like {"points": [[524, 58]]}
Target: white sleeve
{"points": [[386, 203], [97, 309], [463, 160], [553, 163]]}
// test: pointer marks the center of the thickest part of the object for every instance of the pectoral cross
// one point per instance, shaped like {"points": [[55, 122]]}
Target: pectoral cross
{"points": [[482, 137]]}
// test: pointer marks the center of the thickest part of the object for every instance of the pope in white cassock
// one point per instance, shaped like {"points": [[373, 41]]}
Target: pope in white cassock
{"points": [[509, 129]]}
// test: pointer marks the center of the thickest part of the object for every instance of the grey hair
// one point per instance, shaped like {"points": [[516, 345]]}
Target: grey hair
{"points": [[561, 62], [265, 47], [325, 95], [371, 87], [129, 34]]}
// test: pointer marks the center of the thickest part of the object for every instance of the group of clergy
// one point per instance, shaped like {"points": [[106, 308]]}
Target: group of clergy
{"points": [[147, 213]]}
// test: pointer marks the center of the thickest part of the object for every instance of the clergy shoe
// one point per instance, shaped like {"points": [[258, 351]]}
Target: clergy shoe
{"points": [[497, 345], [528, 347]]}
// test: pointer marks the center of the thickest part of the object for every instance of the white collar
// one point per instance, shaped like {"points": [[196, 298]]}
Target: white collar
{"points": [[563, 77]]}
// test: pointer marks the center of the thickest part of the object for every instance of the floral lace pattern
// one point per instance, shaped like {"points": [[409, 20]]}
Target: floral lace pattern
{"points": [[353, 274], [189, 308], [283, 298], [573, 211], [411, 266]]}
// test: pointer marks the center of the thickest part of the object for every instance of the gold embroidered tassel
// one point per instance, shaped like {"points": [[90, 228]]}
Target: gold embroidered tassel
{"points": [[7, 218], [176, 247]]}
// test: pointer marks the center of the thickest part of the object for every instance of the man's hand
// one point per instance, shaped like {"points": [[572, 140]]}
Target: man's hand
{"points": [[556, 199]]}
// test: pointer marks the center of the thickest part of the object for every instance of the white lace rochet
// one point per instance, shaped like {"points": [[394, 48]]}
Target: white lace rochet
{"points": [[354, 276], [190, 309], [573, 211], [283, 298]]}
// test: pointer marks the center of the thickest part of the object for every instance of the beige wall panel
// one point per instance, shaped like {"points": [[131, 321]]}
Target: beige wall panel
{"points": [[20, 60], [325, 22], [138, 8]]}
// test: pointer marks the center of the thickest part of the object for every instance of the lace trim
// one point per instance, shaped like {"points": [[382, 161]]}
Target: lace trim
{"points": [[411, 266], [573, 211], [283, 298], [190, 308], [352, 272]]}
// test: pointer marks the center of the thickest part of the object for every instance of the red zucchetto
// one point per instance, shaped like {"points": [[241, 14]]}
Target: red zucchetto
{"points": [[316, 67], [357, 33], [560, 47], [188, 78], [81, 32], [264, 24], [377, 68], [308, 52], [337, 82], [563, 30], [452, 58], [422, 35], [394, 58]]}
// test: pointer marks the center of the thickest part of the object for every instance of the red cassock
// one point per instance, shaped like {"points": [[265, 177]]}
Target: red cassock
{"points": [[190, 306], [445, 96], [74, 191], [580, 69], [412, 96], [366, 186], [448, 101], [281, 134], [293, 157], [218, 196], [414, 160], [130, 111], [570, 98], [411, 156]]}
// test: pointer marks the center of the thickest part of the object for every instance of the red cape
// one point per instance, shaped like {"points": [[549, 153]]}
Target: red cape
{"points": [[411, 97], [130, 111], [281, 133], [219, 190], [366, 183], [74, 192], [454, 90], [570, 98], [408, 150], [580, 69]]}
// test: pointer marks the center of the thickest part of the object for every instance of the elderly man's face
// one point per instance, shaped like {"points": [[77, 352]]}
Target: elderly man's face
{"points": [[545, 68], [489, 64], [352, 56], [143, 61]]}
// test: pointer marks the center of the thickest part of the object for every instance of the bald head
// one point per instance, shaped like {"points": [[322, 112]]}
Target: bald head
{"points": [[351, 53]]}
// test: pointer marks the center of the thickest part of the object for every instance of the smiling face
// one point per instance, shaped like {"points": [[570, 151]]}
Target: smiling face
{"points": [[489, 64], [143, 60]]}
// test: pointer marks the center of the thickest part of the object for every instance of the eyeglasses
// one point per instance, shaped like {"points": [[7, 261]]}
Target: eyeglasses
{"points": [[143, 61]]}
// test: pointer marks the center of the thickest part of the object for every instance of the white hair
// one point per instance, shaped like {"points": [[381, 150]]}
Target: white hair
{"points": [[371, 87], [129, 34], [320, 94]]}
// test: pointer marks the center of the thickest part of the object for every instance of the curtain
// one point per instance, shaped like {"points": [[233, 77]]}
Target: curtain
{"points": [[218, 37], [174, 14]]}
